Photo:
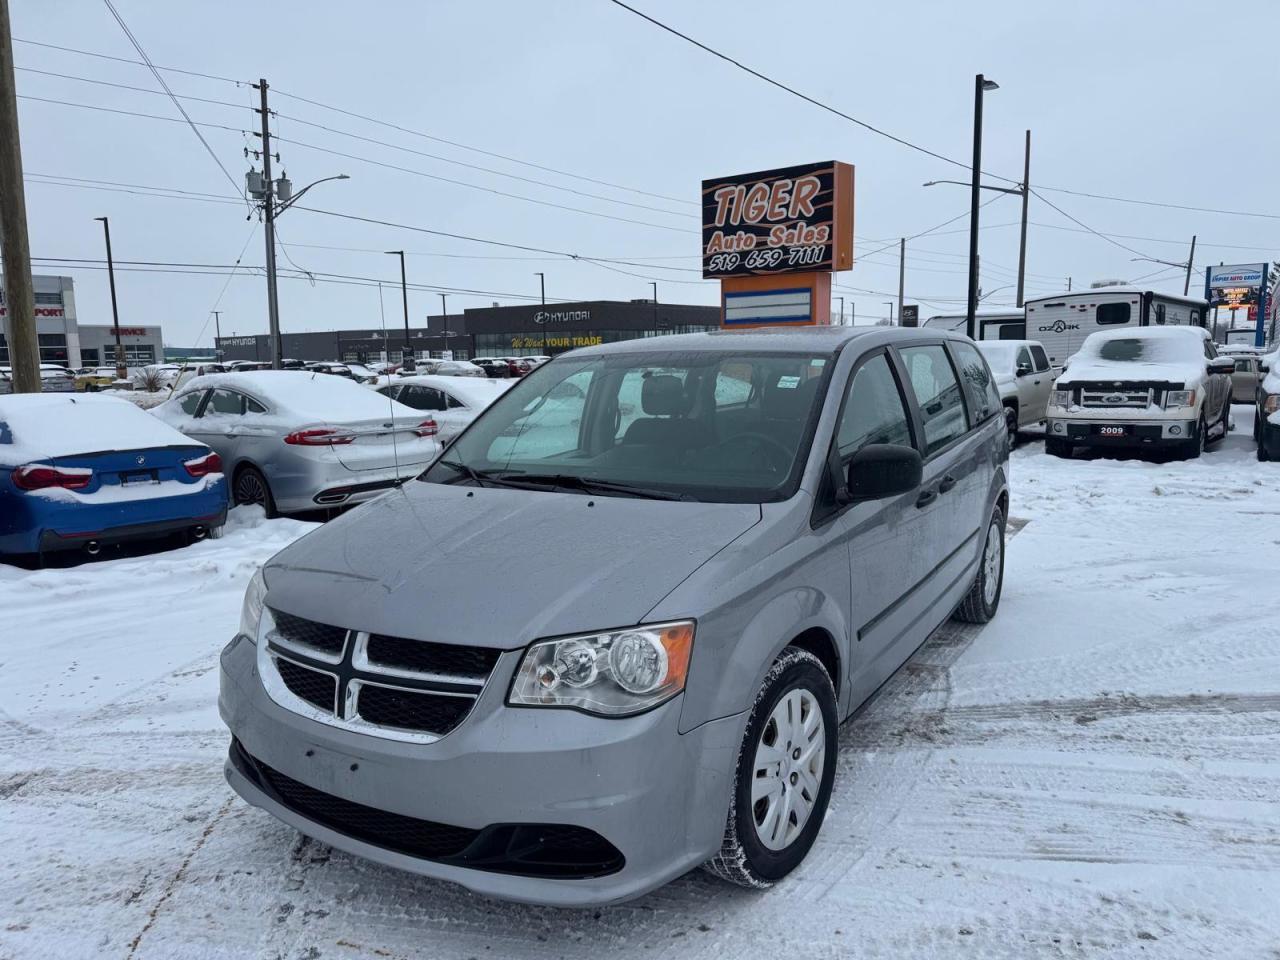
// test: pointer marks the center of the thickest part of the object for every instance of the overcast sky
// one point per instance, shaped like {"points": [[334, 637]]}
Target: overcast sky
{"points": [[1169, 101]]}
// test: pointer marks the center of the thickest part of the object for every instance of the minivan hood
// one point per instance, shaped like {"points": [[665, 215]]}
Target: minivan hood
{"points": [[497, 567]]}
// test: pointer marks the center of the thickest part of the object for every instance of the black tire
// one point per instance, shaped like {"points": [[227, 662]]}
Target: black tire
{"points": [[1194, 447], [1225, 422], [1055, 447], [1011, 424], [983, 600], [1257, 425], [743, 858], [251, 486]]}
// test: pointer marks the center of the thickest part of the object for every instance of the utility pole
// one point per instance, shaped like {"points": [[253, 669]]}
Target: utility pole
{"points": [[1026, 197], [20, 332], [121, 370], [269, 229], [444, 311], [408, 365], [217, 335], [1186, 284], [654, 283], [542, 287], [902, 271], [980, 85], [1068, 284]]}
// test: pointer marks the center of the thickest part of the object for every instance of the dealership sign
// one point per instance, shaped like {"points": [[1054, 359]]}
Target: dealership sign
{"points": [[562, 316], [39, 312], [778, 221], [1240, 275]]}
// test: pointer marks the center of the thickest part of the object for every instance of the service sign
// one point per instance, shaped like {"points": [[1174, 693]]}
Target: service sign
{"points": [[778, 221]]}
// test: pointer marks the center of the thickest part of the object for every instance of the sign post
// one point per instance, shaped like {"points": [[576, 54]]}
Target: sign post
{"points": [[774, 238]]}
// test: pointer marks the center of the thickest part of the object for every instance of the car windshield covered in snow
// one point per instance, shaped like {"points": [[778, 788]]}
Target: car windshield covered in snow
{"points": [[720, 426]]}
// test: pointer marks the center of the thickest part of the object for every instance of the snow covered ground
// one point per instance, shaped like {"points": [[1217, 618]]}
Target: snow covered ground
{"points": [[1096, 773]]}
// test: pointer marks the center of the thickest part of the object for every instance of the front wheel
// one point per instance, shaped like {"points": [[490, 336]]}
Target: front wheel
{"points": [[1195, 446], [1011, 424], [983, 599], [786, 767]]}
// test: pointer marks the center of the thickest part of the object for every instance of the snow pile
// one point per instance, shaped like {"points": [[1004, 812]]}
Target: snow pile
{"points": [[1174, 354], [42, 426]]}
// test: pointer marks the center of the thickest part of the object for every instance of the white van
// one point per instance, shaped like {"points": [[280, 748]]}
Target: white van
{"points": [[991, 324], [1062, 322]]}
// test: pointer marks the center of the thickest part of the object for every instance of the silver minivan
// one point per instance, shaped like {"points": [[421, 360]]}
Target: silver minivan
{"points": [[609, 635]]}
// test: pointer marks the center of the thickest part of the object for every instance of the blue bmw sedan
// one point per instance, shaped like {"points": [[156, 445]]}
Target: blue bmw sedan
{"points": [[80, 472]]}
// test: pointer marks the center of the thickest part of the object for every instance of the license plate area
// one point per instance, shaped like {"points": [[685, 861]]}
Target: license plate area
{"points": [[1112, 430], [138, 478]]}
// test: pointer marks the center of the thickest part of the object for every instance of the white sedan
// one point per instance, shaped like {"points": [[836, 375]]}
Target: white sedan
{"points": [[452, 402]]}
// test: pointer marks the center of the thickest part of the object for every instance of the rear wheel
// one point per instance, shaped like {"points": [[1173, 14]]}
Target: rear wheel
{"points": [[251, 487], [786, 767], [1055, 447], [983, 599]]}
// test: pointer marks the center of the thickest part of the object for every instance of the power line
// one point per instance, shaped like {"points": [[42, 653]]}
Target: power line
{"points": [[134, 113], [104, 56], [1090, 229], [1158, 203], [487, 153], [181, 109], [129, 86], [791, 90], [483, 189]]}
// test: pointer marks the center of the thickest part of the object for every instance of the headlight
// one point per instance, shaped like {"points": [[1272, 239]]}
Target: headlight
{"points": [[1272, 403], [251, 610], [613, 674], [1180, 398], [1061, 398]]}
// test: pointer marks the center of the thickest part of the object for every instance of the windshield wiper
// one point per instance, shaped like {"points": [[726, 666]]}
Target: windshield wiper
{"points": [[481, 478], [592, 485]]}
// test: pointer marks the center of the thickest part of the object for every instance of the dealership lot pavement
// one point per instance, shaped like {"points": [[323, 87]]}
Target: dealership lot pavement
{"points": [[1096, 773]]}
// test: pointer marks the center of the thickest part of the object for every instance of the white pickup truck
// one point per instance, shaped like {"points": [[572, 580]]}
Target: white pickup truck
{"points": [[1023, 377], [1142, 387]]}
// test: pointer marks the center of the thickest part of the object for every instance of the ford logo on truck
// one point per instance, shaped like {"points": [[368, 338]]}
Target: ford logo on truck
{"points": [[1059, 326]]}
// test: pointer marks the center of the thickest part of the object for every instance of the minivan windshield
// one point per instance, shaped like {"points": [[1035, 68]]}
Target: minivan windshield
{"points": [[718, 426]]}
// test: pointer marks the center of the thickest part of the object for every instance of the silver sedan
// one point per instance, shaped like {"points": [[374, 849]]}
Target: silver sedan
{"points": [[294, 441]]}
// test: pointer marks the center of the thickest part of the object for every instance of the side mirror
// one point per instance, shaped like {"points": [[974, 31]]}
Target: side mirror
{"points": [[882, 470], [1264, 368], [1222, 365], [1023, 369]]}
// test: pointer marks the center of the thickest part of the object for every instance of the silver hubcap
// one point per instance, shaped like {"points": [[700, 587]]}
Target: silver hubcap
{"points": [[787, 769], [991, 564]]}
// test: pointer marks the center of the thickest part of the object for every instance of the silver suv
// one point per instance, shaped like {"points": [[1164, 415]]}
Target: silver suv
{"points": [[612, 631]]}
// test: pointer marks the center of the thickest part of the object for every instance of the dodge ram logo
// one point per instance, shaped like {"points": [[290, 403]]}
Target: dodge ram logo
{"points": [[1060, 326]]}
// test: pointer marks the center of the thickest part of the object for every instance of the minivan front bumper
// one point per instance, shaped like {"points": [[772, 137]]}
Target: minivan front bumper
{"points": [[547, 806]]}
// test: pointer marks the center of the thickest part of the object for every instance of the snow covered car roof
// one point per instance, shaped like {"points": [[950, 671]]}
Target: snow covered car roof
{"points": [[41, 426], [304, 394], [1140, 353]]}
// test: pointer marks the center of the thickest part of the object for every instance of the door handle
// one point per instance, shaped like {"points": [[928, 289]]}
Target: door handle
{"points": [[926, 497], [947, 484]]}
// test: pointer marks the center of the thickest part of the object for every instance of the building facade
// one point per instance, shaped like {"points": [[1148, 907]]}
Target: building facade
{"points": [[64, 340], [525, 330]]}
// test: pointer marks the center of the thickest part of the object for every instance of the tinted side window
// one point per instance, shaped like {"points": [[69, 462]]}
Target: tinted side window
{"points": [[191, 402], [1042, 361], [1024, 358], [874, 411], [225, 402], [937, 393], [979, 384], [1113, 313]]}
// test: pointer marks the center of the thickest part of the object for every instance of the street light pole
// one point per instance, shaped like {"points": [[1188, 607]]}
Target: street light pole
{"points": [[217, 335], [407, 360], [654, 284], [980, 86], [121, 372], [542, 287], [841, 299], [889, 304]]}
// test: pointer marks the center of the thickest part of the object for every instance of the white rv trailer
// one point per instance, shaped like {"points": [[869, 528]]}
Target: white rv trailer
{"points": [[1062, 322], [991, 324]]}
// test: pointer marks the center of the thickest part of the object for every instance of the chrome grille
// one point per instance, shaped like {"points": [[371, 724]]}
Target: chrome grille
{"points": [[1131, 397], [392, 687]]}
